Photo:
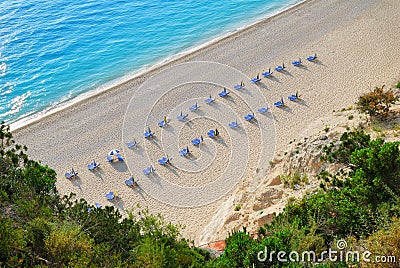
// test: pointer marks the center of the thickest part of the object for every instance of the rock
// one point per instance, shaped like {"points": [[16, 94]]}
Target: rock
{"points": [[213, 253], [261, 205], [269, 194], [265, 219], [276, 181], [324, 137], [234, 217]]}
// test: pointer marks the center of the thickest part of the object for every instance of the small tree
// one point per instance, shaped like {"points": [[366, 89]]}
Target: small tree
{"points": [[377, 103]]}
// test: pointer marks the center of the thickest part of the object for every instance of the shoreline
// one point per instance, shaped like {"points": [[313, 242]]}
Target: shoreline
{"points": [[149, 69]]}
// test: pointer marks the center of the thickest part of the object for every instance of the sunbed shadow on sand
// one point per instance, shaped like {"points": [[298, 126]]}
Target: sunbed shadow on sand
{"points": [[172, 168], [154, 178], [189, 123], [77, 182], [269, 115], [273, 117], [199, 112], [119, 166], [137, 149], [317, 61], [274, 79], [98, 173], [154, 140], [237, 129], [247, 92], [191, 157], [254, 122], [216, 105], [304, 67], [241, 130], [118, 203], [228, 98], [169, 128], [286, 72], [287, 109], [301, 102], [221, 141], [204, 148], [137, 189], [262, 85]]}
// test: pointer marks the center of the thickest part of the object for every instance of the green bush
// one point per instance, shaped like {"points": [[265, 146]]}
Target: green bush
{"points": [[293, 180]]}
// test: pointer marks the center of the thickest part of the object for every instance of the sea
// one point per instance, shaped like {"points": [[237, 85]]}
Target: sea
{"points": [[55, 52]]}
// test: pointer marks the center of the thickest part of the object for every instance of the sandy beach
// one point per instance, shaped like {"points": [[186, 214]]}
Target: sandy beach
{"points": [[357, 48]]}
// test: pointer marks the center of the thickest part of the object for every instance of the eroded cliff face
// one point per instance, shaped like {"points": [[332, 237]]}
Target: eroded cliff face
{"points": [[292, 174]]}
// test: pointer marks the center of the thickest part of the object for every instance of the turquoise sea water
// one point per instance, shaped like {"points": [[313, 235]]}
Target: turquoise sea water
{"points": [[53, 51]]}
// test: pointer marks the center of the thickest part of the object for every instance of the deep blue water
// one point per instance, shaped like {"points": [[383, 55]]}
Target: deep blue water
{"points": [[53, 51]]}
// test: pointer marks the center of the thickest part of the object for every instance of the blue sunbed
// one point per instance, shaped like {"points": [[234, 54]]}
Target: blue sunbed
{"points": [[132, 144], [110, 196], [280, 68], [148, 134], [255, 80], [211, 133], [194, 107], [209, 100], [234, 124], [162, 123], [182, 116], [196, 141], [148, 170], [163, 161], [267, 74], [249, 117], [130, 181], [312, 58], [296, 63], [224, 93]]}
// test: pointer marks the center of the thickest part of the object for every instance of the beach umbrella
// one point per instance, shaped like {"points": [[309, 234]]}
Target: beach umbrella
{"points": [[113, 152]]}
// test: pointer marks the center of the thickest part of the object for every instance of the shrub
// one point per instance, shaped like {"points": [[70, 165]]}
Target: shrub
{"points": [[376, 103], [385, 242], [66, 241], [295, 179]]}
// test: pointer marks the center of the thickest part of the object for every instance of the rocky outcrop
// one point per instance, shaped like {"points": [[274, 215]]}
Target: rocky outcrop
{"points": [[299, 164]]}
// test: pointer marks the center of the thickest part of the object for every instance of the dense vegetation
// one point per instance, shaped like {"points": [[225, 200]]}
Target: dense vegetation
{"points": [[360, 206], [38, 227]]}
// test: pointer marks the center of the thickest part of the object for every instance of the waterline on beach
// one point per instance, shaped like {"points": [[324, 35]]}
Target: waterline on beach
{"points": [[73, 96]]}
